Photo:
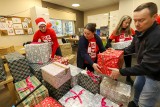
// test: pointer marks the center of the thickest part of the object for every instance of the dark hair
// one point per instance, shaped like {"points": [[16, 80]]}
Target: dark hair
{"points": [[152, 7], [91, 27]]}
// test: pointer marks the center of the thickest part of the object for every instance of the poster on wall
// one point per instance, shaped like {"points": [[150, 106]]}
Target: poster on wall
{"points": [[13, 25]]}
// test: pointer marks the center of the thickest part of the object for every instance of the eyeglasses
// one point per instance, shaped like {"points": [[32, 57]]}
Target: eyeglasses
{"points": [[42, 27]]}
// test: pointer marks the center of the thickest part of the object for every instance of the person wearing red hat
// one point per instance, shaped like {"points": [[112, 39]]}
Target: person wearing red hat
{"points": [[46, 34]]}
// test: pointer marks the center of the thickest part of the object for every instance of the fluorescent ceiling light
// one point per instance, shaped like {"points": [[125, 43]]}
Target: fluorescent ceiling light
{"points": [[75, 5]]}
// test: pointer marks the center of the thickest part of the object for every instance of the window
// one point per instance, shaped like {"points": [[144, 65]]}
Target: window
{"points": [[63, 27]]}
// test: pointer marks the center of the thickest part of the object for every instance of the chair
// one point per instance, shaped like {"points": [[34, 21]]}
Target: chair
{"points": [[9, 83], [6, 50]]}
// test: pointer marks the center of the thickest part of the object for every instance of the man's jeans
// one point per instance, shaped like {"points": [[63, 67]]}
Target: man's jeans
{"points": [[147, 91]]}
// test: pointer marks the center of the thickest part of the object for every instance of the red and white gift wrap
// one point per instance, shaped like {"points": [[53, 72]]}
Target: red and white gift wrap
{"points": [[121, 45], [110, 58], [56, 74], [49, 102], [62, 60], [77, 97]]}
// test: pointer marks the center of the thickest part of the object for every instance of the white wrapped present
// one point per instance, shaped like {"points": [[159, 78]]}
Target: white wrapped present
{"points": [[115, 91], [38, 53], [75, 71], [100, 101], [121, 45], [56, 74], [77, 97]]}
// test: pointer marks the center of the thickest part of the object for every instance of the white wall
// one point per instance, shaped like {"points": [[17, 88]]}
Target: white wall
{"points": [[17, 8], [126, 7], [102, 10]]}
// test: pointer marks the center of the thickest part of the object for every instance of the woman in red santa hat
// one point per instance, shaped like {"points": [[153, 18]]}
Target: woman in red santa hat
{"points": [[46, 34]]}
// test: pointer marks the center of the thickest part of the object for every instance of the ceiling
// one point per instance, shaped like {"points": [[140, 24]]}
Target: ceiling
{"points": [[85, 5]]}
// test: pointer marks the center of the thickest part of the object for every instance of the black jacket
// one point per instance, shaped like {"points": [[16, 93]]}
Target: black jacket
{"points": [[82, 51], [147, 48]]}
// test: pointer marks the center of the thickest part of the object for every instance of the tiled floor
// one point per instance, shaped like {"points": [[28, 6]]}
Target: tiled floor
{"points": [[5, 98]]}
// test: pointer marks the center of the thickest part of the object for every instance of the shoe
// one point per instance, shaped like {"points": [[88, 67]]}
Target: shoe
{"points": [[132, 104]]}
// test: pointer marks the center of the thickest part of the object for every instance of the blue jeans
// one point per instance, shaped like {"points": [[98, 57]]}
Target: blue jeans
{"points": [[146, 91]]}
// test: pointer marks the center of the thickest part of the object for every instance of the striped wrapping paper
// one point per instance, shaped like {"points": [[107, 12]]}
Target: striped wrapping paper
{"points": [[39, 95]]}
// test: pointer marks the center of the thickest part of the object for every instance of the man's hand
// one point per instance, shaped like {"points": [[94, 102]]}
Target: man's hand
{"points": [[115, 73], [96, 67]]}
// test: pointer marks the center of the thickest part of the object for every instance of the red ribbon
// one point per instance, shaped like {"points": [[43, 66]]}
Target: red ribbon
{"points": [[93, 76], [76, 96], [103, 103], [29, 85]]}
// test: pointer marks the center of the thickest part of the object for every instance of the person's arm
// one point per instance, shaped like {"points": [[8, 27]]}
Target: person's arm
{"points": [[109, 40], [82, 46], [150, 64], [55, 44], [36, 37]]}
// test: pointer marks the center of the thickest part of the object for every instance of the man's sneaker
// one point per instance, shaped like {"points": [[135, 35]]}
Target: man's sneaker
{"points": [[132, 104]]}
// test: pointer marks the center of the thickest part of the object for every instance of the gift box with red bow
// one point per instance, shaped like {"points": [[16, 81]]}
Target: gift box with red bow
{"points": [[77, 97], [100, 101], [49, 102], [62, 60], [27, 85], [56, 74], [110, 58], [89, 81], [115, 91]]}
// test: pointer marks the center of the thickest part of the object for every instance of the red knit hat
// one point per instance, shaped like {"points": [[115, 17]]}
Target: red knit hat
{"points": [[40, 21]]}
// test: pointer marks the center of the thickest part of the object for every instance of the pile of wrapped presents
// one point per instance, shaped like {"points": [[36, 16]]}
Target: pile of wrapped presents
{"points": [[57, 83]]}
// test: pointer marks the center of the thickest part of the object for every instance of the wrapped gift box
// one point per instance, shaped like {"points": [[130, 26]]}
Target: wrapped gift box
{"points": [[121, 45], [48, 102], [110, 58], [71, 58], [115, 91], [18, 66], [38, 53], [62, 60], [36, 97], [66, 49], [60, 92], [2, 71], [36, 69], [77, 97], [100, 101], [89, 81], [75, 71], [56, 74]]}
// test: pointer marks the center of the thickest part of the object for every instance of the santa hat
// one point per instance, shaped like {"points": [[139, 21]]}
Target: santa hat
{"points": [[40, 21], [158, 19]]}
